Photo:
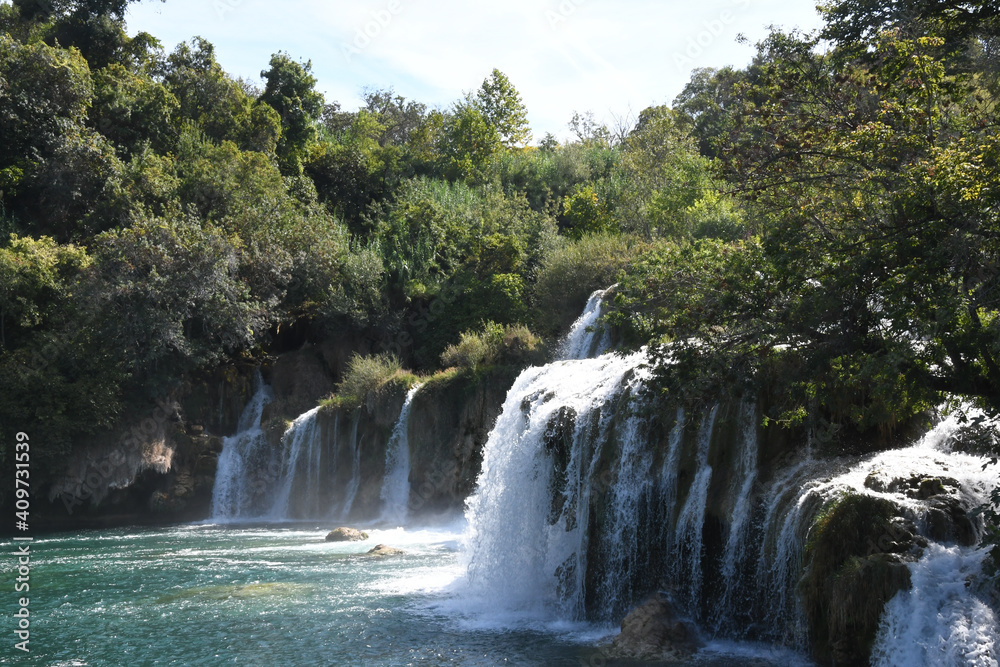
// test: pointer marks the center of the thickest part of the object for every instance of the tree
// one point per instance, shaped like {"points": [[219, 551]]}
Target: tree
{"points": [[588, 131], [43, 92], [290, 90], [501, 108], [667, 186], [467, 142], [36, 276], [95, 27], [705, 105], [399, 118], [861, 22], [214, 101], [131, 109], [875, 287]]}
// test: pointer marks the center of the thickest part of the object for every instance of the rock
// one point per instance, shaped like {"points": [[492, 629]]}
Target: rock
{"points": [[346, 535], [383, 550], [916, 487], [949, 521], [653, 631]]}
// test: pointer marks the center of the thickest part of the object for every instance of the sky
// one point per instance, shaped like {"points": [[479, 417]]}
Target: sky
{"points": [[563, 56]]}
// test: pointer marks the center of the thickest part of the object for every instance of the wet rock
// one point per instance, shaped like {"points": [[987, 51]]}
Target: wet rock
{"points": [[916, 487], [559, 445], [383, 550], [855, 562], [948, 521], [346, 535], [857, 599], [653, 631]]}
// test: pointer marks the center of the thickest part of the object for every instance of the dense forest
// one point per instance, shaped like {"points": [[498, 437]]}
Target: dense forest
{"points": [[822, 225]]}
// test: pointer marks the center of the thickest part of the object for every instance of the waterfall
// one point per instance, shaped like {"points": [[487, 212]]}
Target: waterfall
{"points": [[628, 497], [301, 475], [688, 543], [939, 621], [246, 455], [581, 343], [740, 490], [529, 514], [592, 494], [354, 483], [395, 494]]}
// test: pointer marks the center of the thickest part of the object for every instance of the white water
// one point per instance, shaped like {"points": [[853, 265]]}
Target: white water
{"points": [[688, 543], [581, 343], [630, 490], [518, 558], [301, 470], [234, 496], [940, 621], [739, 526], [354, 483], [395, 494]]}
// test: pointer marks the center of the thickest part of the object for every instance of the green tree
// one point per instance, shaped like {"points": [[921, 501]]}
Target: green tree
{"points": [[290, 90], [705, 104], [132, 110], [214, 101], [467, 142], [501, 107], [43, 92]]}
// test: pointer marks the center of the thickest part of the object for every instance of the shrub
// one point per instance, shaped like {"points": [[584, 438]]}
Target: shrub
{"points": [[573, 271], [366, 376], [494, 344]]}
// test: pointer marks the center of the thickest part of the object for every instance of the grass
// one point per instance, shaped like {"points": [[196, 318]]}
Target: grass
{"points": [[366, 378], [493, 344]]}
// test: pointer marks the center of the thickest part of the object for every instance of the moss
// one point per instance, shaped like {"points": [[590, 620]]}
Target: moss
{"points": [[849, 575]]}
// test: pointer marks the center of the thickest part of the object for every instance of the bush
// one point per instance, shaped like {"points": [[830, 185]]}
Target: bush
{"points": [[575, 270], [366, 376], [494, 344]]}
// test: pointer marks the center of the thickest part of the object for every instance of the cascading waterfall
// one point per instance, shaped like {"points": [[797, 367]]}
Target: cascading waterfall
{"points": [[528, 517], [316, 472], [238, 490], [302, 471], [939, 621], [395, 494], [688, 543], [577, 511], [628, 496], [354, 483], [586, 337], [593, 492], [740, 490]]}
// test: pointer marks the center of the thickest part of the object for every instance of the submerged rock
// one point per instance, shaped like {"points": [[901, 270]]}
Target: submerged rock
{"points": [[383, 550], [346, 535], [653, 631]]}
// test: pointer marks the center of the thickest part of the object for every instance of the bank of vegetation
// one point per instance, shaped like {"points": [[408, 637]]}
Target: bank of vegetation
{"points": [[822, 223]]}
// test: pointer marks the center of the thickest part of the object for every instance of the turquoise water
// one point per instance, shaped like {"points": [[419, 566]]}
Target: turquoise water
{"points": [[266, 595]]}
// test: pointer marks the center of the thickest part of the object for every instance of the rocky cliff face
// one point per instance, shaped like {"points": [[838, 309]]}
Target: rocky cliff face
{"points": [[162, 467]]}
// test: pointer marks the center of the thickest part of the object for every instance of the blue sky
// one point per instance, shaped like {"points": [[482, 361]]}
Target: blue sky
{"points": [[608, 57]]}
